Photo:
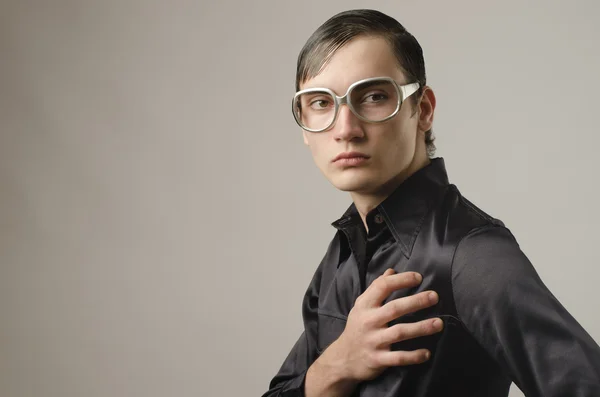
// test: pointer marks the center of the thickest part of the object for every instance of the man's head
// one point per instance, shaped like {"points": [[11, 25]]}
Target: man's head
{"points": [[352, 46]]}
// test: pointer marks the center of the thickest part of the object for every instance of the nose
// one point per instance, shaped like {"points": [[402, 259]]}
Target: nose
{"points": [[347, 126]]}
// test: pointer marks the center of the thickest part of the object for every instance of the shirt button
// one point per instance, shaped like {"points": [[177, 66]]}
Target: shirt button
{"points": [[378, 219]]}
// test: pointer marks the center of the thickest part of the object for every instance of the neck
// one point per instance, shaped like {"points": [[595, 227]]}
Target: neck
{"points": [[366, 202]]}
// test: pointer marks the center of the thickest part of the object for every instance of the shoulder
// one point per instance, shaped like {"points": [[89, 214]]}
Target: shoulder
{"points": [[456, 218], [466, 213], [484, 252], [489, 268], [482, 242]]}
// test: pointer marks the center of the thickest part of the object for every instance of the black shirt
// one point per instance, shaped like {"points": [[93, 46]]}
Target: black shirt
{"points": [[501, 323]]}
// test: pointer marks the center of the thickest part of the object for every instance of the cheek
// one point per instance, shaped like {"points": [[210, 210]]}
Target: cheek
{"points": [[396, 146], [395, 137], [318, 148]]}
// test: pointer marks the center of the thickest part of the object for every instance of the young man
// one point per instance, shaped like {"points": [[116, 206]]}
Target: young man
{"points": [[373, 324]]}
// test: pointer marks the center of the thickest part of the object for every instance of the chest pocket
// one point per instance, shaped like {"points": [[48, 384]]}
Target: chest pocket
{"points": [[330, 327]]}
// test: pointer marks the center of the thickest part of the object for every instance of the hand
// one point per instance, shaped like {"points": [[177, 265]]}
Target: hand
{"points": [[363, 349]]}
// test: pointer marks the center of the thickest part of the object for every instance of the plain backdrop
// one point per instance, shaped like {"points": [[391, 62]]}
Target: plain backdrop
{"points": [[160, 217]]}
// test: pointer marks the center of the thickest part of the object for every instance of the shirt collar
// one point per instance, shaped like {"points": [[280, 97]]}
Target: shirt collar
{"points": [[405, 209]]}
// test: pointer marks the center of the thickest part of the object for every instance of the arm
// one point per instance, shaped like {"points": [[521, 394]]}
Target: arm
{"points": [[289, 381], [511, 313]]}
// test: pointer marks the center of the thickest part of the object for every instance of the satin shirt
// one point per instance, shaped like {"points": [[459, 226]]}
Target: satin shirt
{"points": [[501, 323]]}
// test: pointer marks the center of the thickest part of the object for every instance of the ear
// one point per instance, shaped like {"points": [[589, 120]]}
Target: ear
{"points": [[426, 109], [304, 133]]}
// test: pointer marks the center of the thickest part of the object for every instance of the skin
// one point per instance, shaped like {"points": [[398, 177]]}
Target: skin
{"points": [[396, 149]]}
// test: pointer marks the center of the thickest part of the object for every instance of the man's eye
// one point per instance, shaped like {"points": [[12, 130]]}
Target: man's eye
{"points": [[376, 97], [319, 104]]}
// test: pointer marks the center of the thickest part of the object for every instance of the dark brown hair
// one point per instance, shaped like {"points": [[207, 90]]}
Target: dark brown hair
{"points": [[347, 25]]}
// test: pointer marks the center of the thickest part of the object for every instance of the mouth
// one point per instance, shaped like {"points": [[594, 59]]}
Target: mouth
{"points": [[350, 158]]}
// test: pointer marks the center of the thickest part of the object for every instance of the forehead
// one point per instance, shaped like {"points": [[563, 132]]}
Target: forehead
{"points": [[361, 58]]}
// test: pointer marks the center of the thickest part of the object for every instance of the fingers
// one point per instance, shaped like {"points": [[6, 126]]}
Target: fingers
{"points": [[405, 305], [385, 284], [401, 332], [389, 272], [401, 358]]}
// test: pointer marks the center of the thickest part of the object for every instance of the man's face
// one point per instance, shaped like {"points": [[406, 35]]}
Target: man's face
{"points": [[392, 147]]}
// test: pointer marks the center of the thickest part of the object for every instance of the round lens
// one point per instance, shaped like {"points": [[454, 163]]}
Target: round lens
{"points": [[314, 110], [375, 100]]}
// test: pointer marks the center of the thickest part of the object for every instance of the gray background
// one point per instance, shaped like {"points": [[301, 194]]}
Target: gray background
{"points": [[160, 217]]}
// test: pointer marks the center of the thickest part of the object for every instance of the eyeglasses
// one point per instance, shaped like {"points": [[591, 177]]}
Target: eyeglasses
{"points": [[373, 100]]}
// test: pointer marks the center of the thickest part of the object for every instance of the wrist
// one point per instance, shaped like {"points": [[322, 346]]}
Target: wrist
{"points": [[334, 361], [329, 375]]}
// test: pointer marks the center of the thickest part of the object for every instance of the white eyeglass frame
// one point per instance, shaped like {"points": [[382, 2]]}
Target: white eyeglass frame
{"points": [[404, 92]]}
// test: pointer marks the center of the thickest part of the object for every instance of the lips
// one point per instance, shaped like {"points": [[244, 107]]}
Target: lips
{"points": [[350, 155]]}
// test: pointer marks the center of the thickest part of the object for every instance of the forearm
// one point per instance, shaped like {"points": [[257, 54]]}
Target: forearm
{"points": [[326, 376]]}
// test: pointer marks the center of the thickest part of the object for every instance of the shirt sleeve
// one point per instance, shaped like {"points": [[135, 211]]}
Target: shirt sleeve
{"points": [[504, 304], [289, 381]]}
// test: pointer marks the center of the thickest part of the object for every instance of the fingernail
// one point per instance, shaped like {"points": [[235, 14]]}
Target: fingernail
{"points": [[418, 277], [427, 355], [433, 297], [437, 323]]}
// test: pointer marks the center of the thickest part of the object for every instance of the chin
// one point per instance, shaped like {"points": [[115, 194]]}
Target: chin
{"points": [[353, 183]]}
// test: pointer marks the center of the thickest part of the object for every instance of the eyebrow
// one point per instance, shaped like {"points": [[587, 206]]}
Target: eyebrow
{"points": [[364, 86], [372, 83]]}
